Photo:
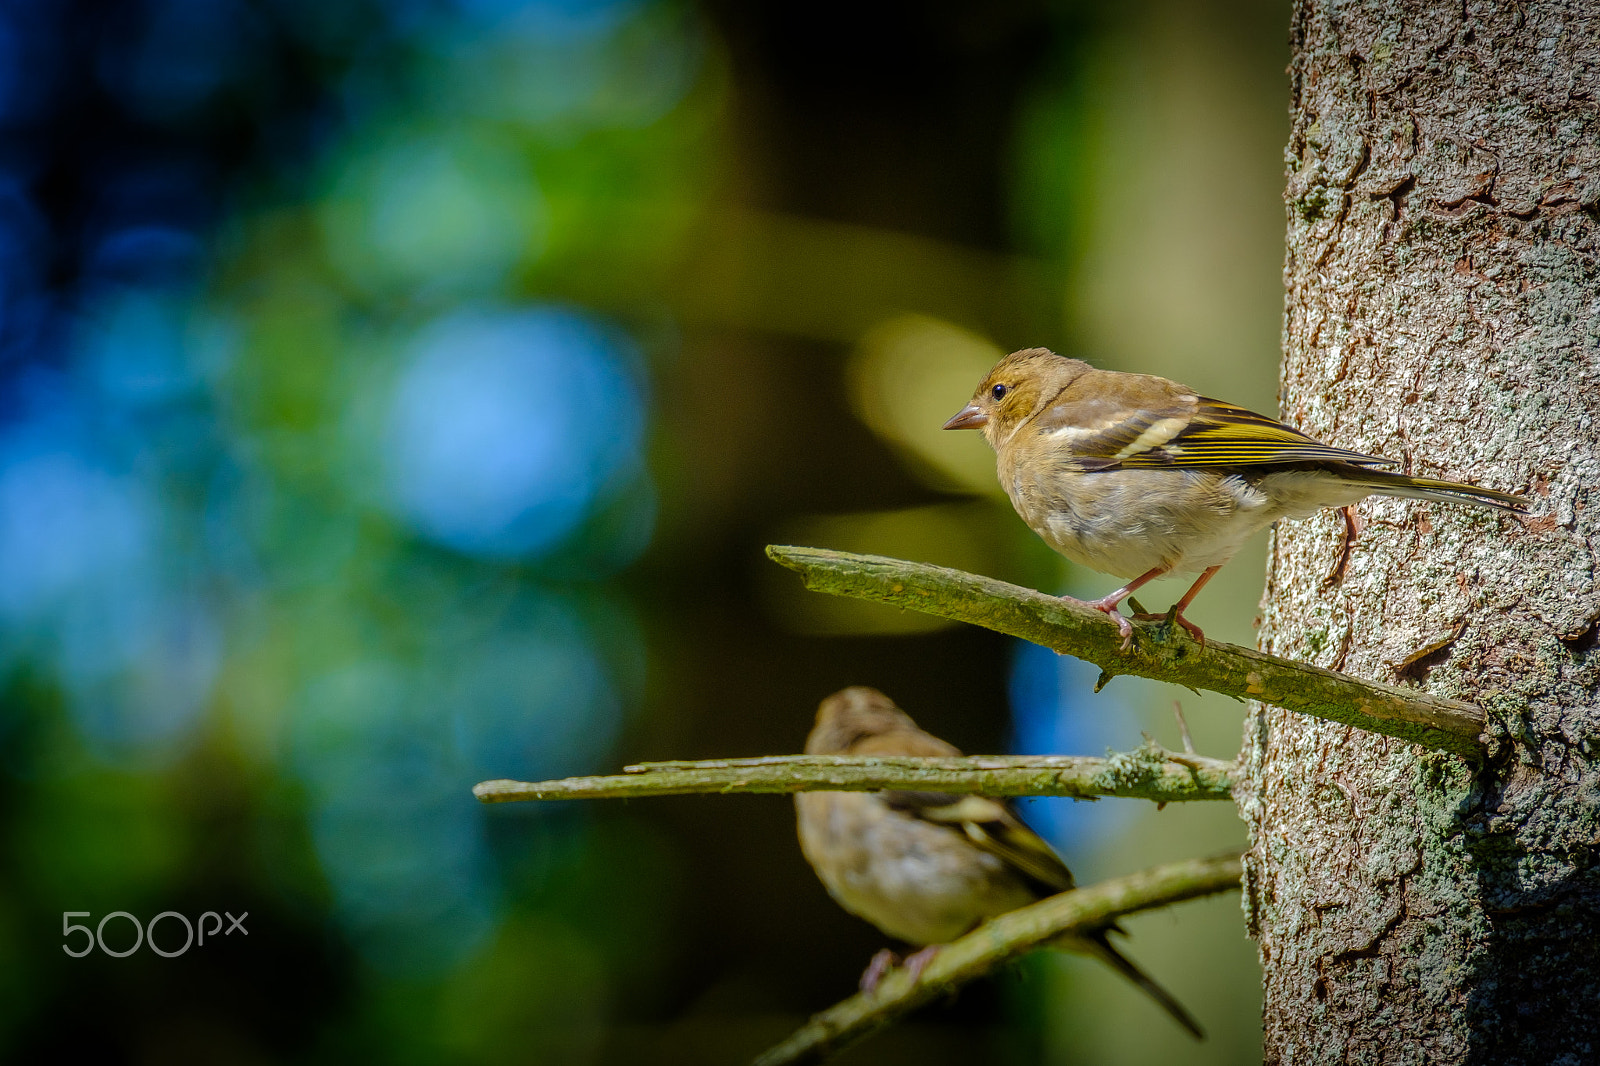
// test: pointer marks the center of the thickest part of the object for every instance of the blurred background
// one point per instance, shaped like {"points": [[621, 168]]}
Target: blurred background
{"points": [[396, 394]]}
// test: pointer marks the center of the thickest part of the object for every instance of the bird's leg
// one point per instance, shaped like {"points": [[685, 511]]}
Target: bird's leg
{"points": [[1176, 614], [915, 964], [1352, 528], [1109, 604], [884, 961]]}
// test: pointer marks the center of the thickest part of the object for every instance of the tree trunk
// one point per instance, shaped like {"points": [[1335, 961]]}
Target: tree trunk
{"points": [[1443, 309]]}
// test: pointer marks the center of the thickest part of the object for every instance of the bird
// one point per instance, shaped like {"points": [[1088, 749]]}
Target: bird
{"points": [[1137, 476], [929, 867]]}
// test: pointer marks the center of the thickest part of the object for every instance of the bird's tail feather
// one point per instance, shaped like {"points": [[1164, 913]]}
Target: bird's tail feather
{"points": [[1099, 945], [1426, 488]]}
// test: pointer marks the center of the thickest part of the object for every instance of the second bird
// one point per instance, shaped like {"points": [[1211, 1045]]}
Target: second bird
{"points": [[928, 867]]}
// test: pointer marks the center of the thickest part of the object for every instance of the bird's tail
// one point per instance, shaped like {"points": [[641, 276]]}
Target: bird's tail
{"points": [[1385, 483], [1098, 944]]}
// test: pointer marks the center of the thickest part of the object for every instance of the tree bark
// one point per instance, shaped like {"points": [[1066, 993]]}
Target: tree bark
{"points": [[1443, 309]]}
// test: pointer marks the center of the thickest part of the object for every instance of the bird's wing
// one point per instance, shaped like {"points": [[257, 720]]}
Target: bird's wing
{"points": [[1222, 434], [1152, 428], [990, 826], [987, 823]]}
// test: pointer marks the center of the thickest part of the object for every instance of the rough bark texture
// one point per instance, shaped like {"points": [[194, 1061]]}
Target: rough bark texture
{"points": [[1443, 309]]}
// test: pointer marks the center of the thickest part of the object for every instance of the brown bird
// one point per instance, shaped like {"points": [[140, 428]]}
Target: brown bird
{"points": [[928, 867], [1137, 476]]}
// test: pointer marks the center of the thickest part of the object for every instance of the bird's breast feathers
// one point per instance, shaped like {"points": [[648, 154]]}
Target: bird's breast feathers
{"points": [[914, 880], [1127, 522]]}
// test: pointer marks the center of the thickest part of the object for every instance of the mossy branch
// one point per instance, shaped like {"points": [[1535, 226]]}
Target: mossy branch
{"points": [[1150, 772], [996, 942], [1159, 651]]}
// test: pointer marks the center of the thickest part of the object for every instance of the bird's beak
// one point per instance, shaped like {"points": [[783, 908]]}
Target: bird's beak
{"points": [[969, 417]]}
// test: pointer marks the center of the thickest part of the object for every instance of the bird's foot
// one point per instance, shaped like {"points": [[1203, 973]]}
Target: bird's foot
{"points": [[884, 961], [1175, 616], [1107, 605], [915, 964]]}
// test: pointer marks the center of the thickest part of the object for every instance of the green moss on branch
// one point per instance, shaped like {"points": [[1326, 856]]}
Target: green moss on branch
{"points": [[1150, 773], [1159, 651]]}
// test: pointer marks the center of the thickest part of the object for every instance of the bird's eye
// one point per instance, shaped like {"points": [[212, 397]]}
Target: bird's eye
{"points": [[999, 391]]}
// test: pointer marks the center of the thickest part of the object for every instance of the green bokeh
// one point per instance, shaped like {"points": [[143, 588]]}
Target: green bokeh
{"points": [[745, 209]]}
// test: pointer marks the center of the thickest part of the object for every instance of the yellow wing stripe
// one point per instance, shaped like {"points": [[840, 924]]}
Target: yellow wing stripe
{"points": [[1154, 437], [1222, 434]]}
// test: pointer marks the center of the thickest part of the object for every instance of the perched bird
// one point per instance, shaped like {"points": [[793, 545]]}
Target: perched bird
{"points": [[928, 867], [1137, 476]]}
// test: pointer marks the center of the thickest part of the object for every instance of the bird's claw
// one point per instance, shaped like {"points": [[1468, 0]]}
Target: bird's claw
{"points": [[1108, 607], [918, 962], [1175, 616], [884, 961]]}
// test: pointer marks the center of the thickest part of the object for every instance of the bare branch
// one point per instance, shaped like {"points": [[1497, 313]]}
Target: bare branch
{"points": [[997, 942], [1150, 772], [1159, 651]]}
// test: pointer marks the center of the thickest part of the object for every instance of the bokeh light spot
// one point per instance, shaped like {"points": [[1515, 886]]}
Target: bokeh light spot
{"points": [[506, 429], [79, 549], [446, 213], [65, 526], [908, 375], [134, 346]]}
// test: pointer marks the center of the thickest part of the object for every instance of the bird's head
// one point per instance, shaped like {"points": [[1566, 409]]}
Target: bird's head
{"points": [[1019, 387], [852, 715]]}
